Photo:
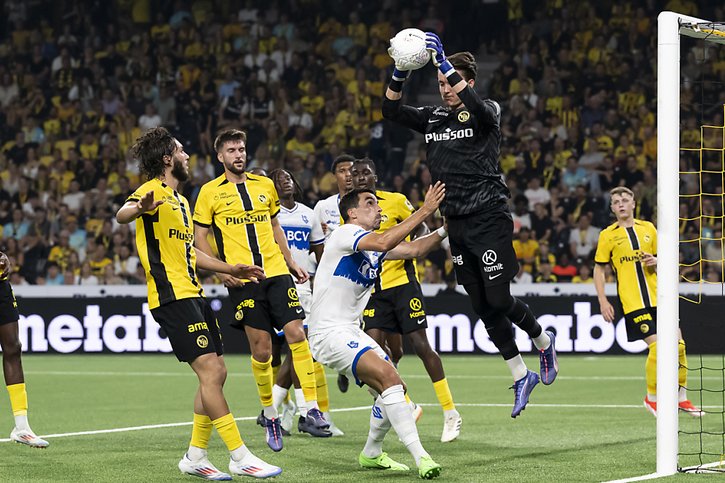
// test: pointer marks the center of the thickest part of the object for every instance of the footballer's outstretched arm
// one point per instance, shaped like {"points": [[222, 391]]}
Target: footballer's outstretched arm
{"points": [[418, 247], [390, 238]]}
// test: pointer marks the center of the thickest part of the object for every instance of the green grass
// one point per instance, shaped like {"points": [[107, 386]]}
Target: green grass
{"points": [[567, 433]]}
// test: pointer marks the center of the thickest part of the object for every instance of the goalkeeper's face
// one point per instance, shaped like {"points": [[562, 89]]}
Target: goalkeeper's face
{"points": [[450, 98]]}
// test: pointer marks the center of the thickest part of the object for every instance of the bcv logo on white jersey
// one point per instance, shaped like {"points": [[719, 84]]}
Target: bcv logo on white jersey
{"points": [[298, 237], [449, 135]]}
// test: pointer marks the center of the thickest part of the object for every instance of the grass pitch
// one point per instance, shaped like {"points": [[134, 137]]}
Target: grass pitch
{"points": [[588, 426]]}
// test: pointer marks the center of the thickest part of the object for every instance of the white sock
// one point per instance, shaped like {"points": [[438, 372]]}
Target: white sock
{"points": [[517, 366], [21, 422], [450, 412], [240, 453], [402, 420], [542, 342], [379, 427], [682, 394], [279, 394], [301, 403], [270, 412], [195, 453]]}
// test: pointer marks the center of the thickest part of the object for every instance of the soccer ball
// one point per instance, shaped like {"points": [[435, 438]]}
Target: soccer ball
{"points": [[408, 50]]}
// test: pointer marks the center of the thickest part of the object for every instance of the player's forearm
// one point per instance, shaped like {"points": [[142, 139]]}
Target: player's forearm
{"points": [[426, 244], [128, 212], [393, 236], [281, 240], [210, 263], [599, 282]]}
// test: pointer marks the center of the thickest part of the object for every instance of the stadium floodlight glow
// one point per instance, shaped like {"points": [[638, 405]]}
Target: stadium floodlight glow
{"points": [[671, 26]]}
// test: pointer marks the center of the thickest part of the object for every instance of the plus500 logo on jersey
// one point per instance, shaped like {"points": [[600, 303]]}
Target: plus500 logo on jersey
{"points": [[449, 135]]}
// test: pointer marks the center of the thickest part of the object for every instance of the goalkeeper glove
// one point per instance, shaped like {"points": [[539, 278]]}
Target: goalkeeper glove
{"points": [[435, 46]]}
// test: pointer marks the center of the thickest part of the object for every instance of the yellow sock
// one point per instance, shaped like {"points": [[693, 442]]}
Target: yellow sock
{"points": [[302, 362], [275, 371], [682, 359], [407, 399], [650, 369], [323, 396], [201, 431], [228, 431], [18, 399], [262, 372], [443, 393]]}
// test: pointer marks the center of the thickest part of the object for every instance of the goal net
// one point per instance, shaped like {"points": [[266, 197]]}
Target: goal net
{"points": [[691, 163]]}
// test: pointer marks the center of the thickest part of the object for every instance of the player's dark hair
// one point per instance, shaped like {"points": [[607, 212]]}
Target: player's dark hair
{"points": [[465, 63], [227, 136], [351, 200], [275, 173], [150, 150], [367, 161], [343, 158]]}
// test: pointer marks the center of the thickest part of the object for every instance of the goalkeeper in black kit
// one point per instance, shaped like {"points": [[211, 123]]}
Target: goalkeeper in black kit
{"points": [[463, 138]]}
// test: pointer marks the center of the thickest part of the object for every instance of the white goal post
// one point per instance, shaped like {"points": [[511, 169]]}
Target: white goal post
{"points": [[670, 26]]}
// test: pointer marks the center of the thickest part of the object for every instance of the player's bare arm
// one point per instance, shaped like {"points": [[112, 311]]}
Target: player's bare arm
{"points": [[417, 248], [249, 272], [386, 241], [133, 209], [605, 307], [201, 242]]}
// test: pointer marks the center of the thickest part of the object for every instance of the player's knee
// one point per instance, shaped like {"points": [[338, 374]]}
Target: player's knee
{"points": [[293, 332], [390, 378], [12, 349]]}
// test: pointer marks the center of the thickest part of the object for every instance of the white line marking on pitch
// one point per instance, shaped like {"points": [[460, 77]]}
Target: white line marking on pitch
{"points": [[338, 410], [245, 374]]}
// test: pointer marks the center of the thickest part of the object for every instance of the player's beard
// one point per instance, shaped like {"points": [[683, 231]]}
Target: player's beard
{"points": [[179, 171], [234, 170]]}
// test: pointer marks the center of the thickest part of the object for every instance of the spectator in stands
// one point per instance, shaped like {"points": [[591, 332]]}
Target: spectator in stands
{"points": [[583, 239], [545, 274], [584, 274]]}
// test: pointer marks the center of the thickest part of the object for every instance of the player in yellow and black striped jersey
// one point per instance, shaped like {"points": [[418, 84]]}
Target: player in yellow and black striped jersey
{"points": [[396, 305], [165, 242], [240, 210], [630, 246], [12, 363]]}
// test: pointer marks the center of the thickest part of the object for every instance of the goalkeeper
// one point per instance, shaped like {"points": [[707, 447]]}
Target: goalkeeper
{"points": [[630, 245], [463, 138]]}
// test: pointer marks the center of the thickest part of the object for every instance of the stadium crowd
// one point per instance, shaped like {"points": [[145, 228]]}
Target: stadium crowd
{"points": [[80, 81]]}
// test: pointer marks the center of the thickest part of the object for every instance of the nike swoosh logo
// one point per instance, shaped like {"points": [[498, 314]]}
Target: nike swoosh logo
{"points": [[230, 203], [299, 311], [491, 277], [431, 121], [174, 209], [421, 321], [310, 373]]}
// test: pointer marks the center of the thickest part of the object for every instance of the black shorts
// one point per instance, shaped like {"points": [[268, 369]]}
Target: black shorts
{"points": [[641, 323], [191, 326], [8, 304], [482, 247], [399, 309], [267, 305]]}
